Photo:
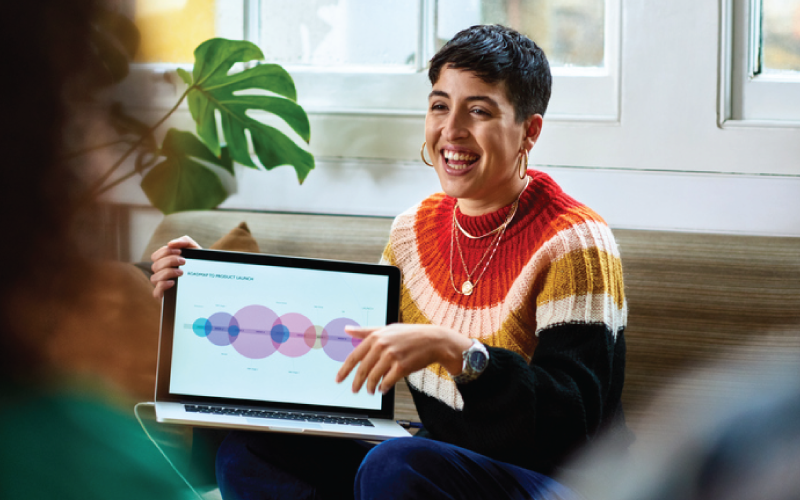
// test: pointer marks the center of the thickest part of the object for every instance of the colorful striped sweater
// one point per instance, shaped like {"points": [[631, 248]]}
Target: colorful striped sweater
{"points": [[550, 308]]}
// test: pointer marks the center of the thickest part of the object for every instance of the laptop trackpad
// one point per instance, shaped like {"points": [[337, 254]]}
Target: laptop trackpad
{"points": [[283, 425]]}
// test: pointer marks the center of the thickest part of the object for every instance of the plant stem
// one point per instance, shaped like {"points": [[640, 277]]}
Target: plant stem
{"points": [[80, 152], [99, 187], [115, 183], [127, 176]]}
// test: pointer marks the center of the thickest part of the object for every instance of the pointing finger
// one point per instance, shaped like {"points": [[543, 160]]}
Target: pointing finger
{"points": [[351, 361], [360, 332]]}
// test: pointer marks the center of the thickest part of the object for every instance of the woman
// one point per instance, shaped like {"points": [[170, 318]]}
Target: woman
{"points": [[512, 311]]}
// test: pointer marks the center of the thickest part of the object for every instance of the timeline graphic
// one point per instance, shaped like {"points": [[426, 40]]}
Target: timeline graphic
{"points": [[256, 332]]}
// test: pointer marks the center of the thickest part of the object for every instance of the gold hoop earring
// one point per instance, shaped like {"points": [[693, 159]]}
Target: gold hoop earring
{"points": [[422, 154], [523, 170]]}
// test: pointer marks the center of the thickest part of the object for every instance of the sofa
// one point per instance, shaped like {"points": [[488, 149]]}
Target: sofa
{"points": [[694, 299]]}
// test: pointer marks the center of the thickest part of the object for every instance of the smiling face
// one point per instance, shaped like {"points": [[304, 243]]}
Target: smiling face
{"points": [[475, 141]]}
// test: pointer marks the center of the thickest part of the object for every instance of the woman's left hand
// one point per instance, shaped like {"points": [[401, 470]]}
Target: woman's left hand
{"points": [[397, 350]]}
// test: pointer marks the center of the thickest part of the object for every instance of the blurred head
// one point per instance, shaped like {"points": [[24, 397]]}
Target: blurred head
{"points": [[491, 86], [728, 431], [45, 50]]}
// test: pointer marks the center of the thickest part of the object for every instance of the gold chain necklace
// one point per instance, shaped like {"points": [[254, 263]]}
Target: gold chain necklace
{"points": [[510, 216], [469, 286]]}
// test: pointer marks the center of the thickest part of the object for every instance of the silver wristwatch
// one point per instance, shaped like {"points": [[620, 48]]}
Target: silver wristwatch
{"points": [[476, 359]]}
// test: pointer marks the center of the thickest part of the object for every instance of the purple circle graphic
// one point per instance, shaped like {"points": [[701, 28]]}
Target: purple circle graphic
{"points": [[220, 322], [336, 343], [296, 325], [255, 325]]}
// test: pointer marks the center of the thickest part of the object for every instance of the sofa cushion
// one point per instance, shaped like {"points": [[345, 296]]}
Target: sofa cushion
{"points": [[239, 239]]}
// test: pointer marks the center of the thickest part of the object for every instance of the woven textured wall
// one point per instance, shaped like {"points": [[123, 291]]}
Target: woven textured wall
{"points": [[696, 299]]}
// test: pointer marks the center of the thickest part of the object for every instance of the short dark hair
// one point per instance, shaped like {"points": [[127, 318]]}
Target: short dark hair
{"points": [[495, 54]]}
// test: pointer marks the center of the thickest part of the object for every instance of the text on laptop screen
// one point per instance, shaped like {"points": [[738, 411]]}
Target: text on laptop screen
{"points": [[271, 333]]}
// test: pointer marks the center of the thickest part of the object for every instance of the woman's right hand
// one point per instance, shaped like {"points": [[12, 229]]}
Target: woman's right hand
{"points": [[166, 262]]}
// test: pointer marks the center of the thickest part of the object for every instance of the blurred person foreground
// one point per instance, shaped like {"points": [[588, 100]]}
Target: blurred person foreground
{"points": [[68, 342], [727, 431]]}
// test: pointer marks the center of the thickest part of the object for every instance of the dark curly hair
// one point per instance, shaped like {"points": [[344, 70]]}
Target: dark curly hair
{"points": [[46, 46]]}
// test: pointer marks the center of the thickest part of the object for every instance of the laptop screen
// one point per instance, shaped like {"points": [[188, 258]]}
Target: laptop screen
{"points": [[268, 329]]}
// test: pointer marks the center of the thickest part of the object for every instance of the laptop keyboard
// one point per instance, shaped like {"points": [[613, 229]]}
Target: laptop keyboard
{"points": [[283, 415]]}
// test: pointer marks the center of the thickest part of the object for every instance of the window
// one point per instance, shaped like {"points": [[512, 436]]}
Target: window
{"points": [[368, 57], [778, 39], [171, 29], [675, 154], [359, 35], [760, 80]]}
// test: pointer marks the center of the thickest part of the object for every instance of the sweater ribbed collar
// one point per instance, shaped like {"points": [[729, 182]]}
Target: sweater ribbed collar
{"points": [[481, 224]]}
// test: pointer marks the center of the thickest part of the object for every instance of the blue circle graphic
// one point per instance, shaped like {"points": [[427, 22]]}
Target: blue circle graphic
{"points": [[280, 333], [202, 327], [233, 330]]}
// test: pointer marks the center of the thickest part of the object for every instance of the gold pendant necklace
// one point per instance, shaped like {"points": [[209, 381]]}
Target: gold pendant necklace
{"points": [[469, 286]]}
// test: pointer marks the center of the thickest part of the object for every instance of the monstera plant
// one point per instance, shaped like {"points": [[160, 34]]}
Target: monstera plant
{"points": [[179, 174]]}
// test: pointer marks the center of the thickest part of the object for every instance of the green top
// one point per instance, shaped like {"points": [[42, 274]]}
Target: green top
{"points": [[72, 445]]}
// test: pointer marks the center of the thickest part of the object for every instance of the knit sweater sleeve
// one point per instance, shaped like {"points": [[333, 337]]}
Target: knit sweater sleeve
{"points": [[534, 408], [535, 414]]}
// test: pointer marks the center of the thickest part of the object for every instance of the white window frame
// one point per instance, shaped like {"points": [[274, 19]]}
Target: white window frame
{"points": [[580, 94], [747, 99], [583, 94]]}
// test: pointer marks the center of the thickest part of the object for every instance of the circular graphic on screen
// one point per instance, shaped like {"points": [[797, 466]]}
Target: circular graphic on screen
{"points": [[256, 332]]}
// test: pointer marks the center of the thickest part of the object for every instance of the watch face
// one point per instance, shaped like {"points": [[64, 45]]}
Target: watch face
{"points": [[477, 361]]}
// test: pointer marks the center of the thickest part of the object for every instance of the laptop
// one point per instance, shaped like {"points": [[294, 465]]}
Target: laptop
{"points": [[253, 341]]}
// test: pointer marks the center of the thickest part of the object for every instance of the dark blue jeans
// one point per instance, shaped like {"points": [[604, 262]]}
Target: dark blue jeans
{"points": [[266, 465]]}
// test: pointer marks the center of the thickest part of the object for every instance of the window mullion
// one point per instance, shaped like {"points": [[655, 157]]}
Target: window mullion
{"points": [[756, 38], [426, 29], [252, 21]]}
